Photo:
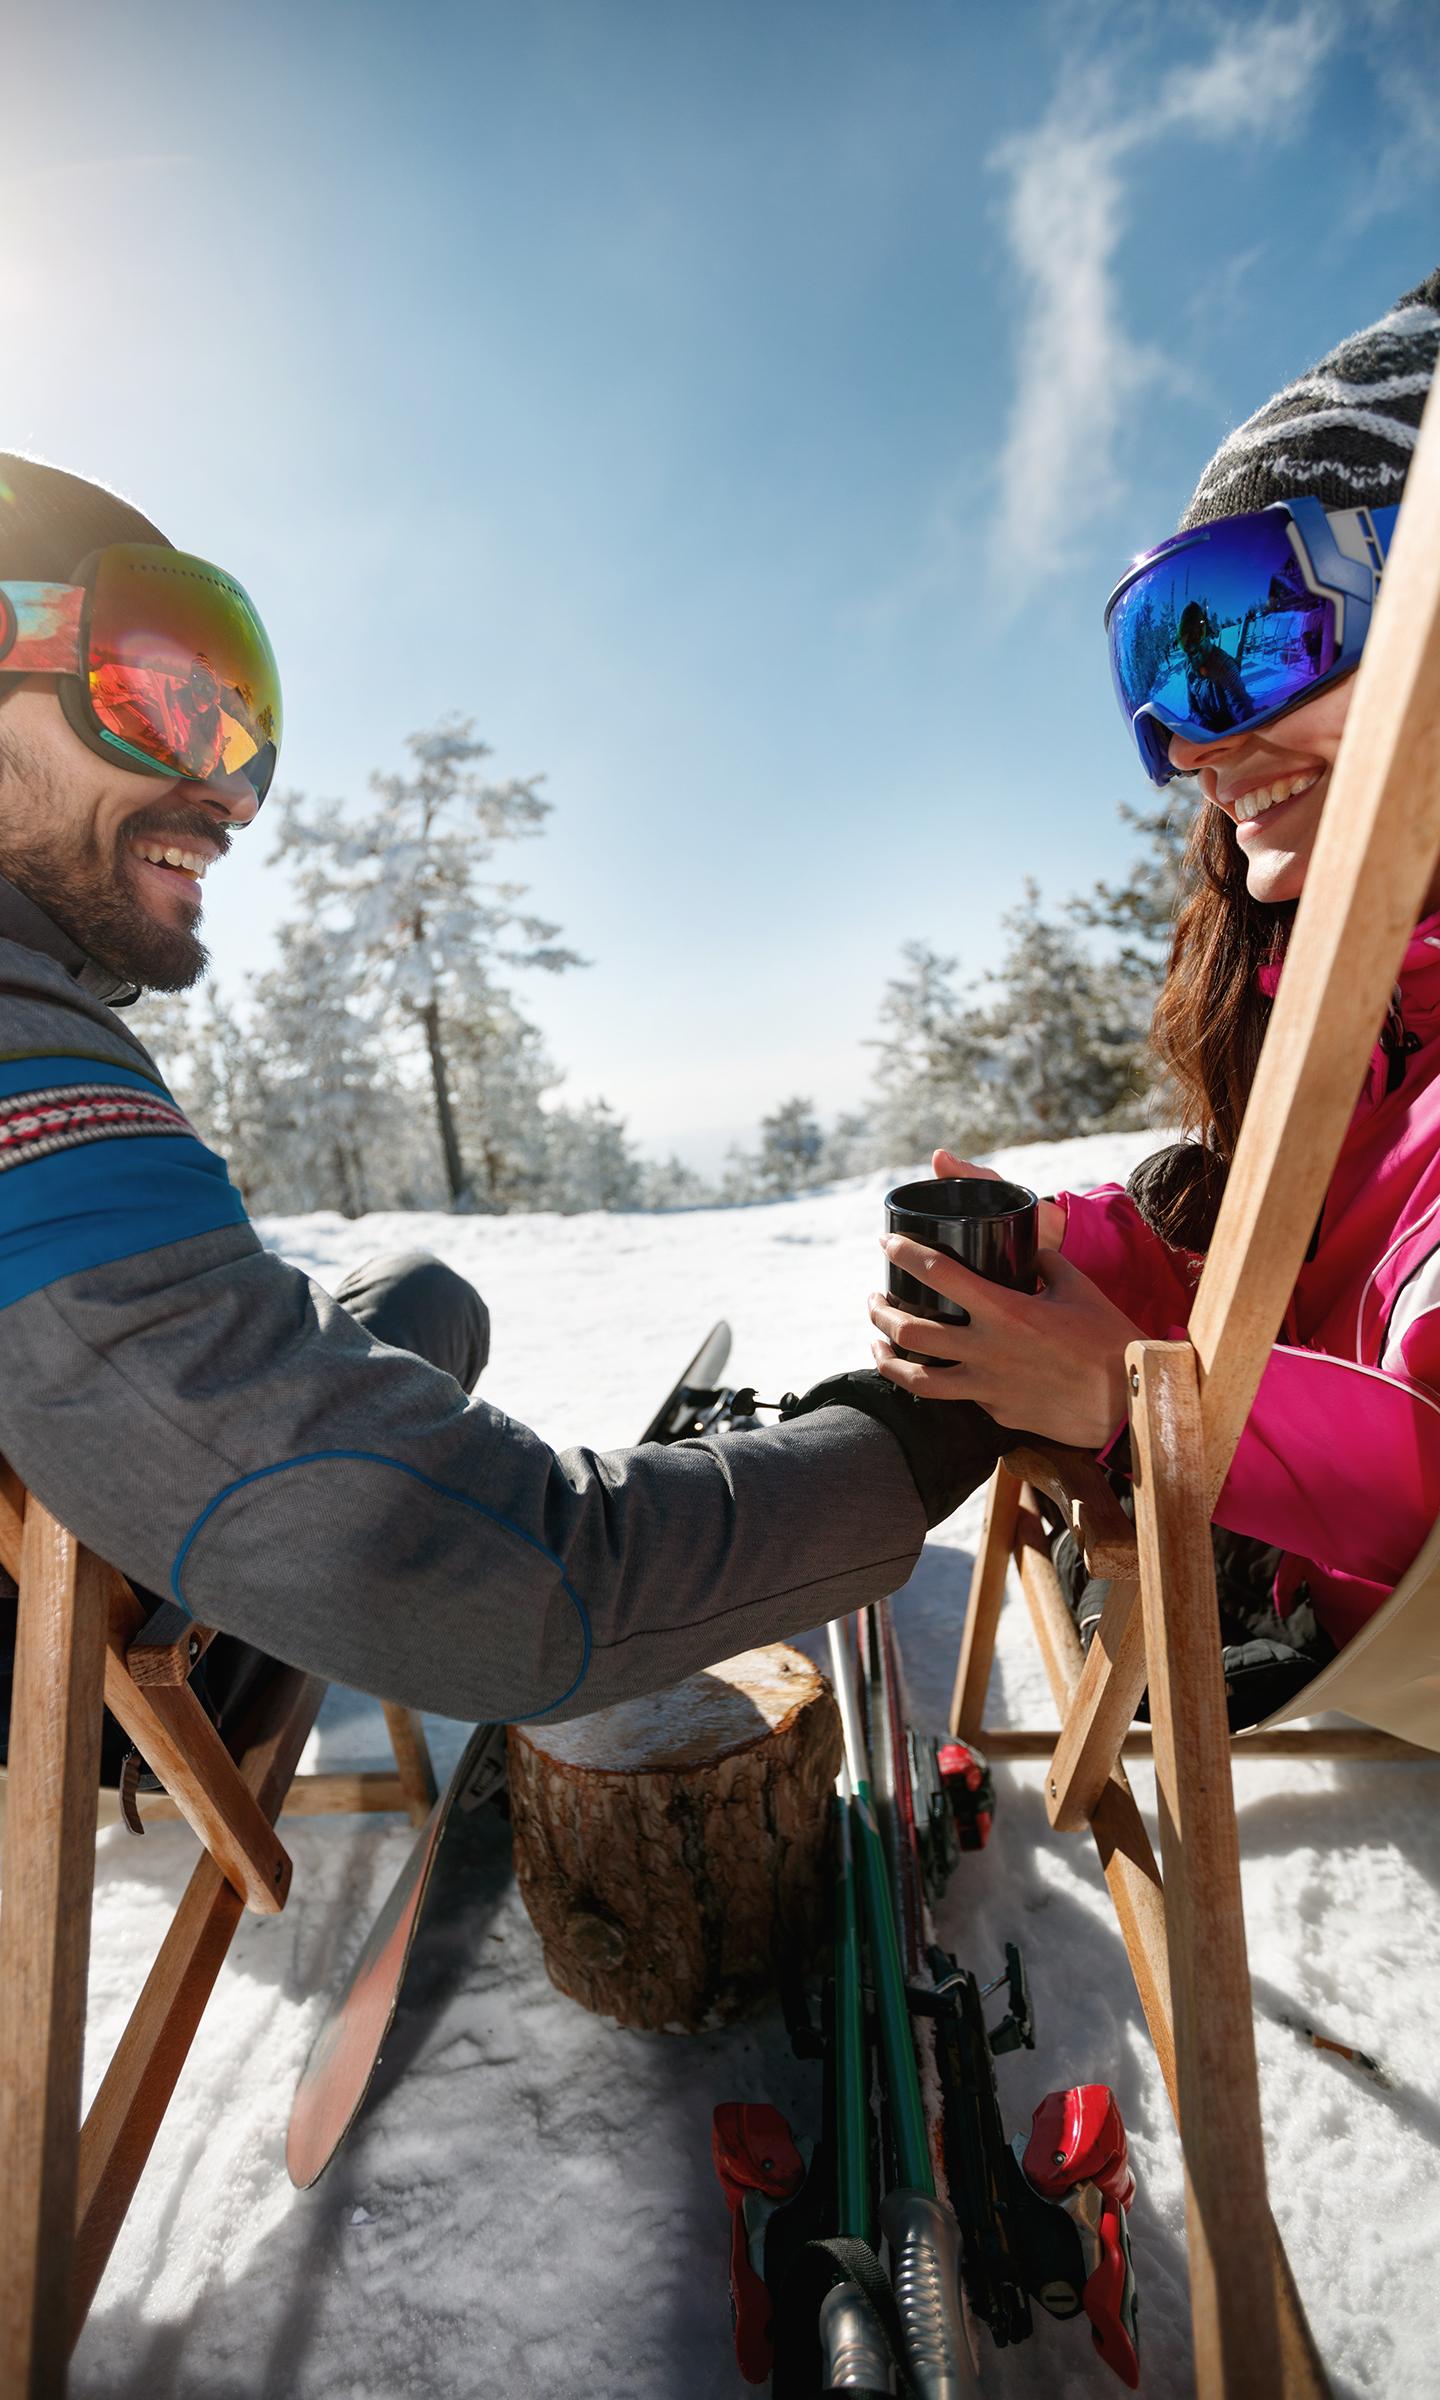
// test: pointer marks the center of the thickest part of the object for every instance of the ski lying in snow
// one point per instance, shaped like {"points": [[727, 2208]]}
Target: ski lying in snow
{"points": [[342, 2063]]}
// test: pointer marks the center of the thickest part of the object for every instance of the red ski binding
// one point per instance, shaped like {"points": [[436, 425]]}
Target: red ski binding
{"points": [[970, 1789], [1077, 2157], [758, 2166]]}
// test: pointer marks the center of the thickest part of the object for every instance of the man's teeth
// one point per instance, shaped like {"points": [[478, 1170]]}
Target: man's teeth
{"points": [[159, 855], [1254, 804]]}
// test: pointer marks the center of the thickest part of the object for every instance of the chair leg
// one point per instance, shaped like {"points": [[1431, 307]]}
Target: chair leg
{"points": [[45, 1942], [1127, 1863], [1232, 2283], [982, 1609], [135, 2092], [412, 1757]]}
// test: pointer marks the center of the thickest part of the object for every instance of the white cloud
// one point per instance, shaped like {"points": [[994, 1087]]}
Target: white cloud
{"points": [[1079, 371], [1068, 202], [1252, 77]]}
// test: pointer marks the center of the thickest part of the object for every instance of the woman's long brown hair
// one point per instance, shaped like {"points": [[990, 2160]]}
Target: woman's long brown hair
{"points": [[1211, 1016]]}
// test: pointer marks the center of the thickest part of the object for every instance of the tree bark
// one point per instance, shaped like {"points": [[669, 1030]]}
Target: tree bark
{"points": [[455, 1174], [672, 1851]]}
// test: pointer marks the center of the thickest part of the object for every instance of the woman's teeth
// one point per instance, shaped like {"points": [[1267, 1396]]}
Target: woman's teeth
{"points": [[1254, 804], [190, 862]]}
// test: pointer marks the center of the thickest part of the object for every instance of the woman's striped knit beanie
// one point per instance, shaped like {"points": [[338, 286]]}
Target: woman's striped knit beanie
{"points": [[1344, 433]]}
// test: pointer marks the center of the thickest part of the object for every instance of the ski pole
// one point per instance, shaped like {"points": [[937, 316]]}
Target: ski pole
{"points": [[852, 2100], [902, 2076], [921, 2231]]}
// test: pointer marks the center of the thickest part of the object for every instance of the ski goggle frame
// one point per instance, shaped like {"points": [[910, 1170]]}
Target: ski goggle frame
{"points": [[1225, 628], [163, 663]]}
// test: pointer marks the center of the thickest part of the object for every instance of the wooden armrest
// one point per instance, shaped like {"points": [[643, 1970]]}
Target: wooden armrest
{"points": [[167, 1647], [1079, 1488], [173, 1734]]}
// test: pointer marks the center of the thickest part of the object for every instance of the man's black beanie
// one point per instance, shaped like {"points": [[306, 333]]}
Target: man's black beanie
{"points": [[1343, 433], [49, 521]]}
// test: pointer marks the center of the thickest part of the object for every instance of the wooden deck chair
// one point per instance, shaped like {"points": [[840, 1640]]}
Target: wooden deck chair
{"points": [[1376, 852], [82, 1641]]}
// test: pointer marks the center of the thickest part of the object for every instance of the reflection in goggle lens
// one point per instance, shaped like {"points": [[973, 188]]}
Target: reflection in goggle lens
{"points": [[1221, 630], [179, 667]]}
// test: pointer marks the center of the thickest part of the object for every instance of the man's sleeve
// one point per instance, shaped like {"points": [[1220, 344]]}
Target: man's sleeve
{"points": [[216, 1426]]}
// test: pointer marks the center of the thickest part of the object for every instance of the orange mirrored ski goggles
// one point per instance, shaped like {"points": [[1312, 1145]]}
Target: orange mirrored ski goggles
{"points": [[163, 664]]}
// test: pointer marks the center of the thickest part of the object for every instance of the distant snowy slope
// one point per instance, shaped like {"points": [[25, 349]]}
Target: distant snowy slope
{"points": [[529, 2209]]}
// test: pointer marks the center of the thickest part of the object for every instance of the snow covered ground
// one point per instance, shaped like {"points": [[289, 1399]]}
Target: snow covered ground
{"points": [[529, 2209]]}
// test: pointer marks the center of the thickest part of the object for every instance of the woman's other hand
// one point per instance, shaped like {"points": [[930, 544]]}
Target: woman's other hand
{"points": [[1050, 1362], [1050, 1224]]}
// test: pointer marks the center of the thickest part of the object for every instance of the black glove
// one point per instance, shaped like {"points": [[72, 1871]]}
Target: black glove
{"points": [[950, 1446]]}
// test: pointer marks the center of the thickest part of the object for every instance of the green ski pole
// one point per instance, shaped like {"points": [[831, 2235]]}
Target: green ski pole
{"points": [[921, 2231]]}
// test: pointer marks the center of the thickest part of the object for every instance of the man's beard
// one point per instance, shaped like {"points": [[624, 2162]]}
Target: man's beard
{"points": [[89, 897]]}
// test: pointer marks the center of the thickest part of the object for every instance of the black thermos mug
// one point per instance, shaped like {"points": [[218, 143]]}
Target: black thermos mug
{"points": [[988, 1227]]}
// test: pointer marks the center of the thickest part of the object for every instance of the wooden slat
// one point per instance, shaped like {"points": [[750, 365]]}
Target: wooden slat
{"points": [[982, 1608], [1373, 859], [412, 1757], [368, 1791], [1232, 2295], [127, 2111], [45, 1943], [12, 1515], [1127, 1861], [173, 1733], [1106, 1697], [1355, 1745], [1081, 1491]]}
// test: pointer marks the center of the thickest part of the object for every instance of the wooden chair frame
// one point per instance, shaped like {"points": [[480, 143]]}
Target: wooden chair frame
{"points": [[83, 1640], [1374, 858]]}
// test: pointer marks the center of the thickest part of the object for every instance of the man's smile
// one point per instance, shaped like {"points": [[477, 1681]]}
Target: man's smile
{"points": [[172, 858]]}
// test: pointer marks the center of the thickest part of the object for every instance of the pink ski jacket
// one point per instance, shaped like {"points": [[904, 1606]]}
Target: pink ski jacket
{"points": [[1339, 1463]]}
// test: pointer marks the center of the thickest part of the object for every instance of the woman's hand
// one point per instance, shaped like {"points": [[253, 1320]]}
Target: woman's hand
{"points": [[1050, 1362], [1050, 1224]]}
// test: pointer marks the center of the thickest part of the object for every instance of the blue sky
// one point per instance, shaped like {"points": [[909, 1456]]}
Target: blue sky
{"points": [[740, 412]]}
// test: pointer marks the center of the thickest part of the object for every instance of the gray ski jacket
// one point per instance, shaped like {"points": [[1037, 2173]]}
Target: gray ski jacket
{"points": [[220, 1429]]}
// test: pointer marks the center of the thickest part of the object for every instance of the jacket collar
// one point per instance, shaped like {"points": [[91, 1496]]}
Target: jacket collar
{"points": [[22, 921]]}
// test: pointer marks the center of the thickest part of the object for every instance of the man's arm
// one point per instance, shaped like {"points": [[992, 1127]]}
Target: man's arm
{"points": [[219, 1428]]}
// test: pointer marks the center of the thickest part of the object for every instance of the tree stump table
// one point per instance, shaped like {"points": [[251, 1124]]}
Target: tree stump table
{"points": [[671, 1848]]}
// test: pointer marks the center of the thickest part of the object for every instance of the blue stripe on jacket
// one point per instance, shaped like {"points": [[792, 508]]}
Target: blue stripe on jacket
{"points": [[43, 1071], [110, 1197]]}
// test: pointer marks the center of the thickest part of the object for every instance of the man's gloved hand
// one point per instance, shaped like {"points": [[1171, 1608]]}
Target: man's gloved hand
{"points": [[950, 1446]]}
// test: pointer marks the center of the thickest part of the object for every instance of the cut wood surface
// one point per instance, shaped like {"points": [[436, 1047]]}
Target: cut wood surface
{"points": [[671, 1849]]}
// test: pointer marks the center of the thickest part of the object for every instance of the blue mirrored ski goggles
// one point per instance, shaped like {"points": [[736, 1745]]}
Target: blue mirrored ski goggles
{"points": [[1226, 627]]}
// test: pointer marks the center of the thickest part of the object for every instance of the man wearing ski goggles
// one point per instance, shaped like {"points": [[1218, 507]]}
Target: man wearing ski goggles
{"points": [[1224, 628], [163, 664], [163, 671], [307, 1473]]}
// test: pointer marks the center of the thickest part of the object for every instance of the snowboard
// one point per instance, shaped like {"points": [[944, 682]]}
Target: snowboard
{"points": [[341, 2067]]}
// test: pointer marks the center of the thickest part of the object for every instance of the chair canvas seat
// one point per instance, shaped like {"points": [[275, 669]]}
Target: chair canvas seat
{"points": [[1388, 1674]]}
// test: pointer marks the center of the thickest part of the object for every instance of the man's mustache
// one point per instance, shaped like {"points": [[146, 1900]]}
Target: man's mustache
{"points": [[177, 826]]}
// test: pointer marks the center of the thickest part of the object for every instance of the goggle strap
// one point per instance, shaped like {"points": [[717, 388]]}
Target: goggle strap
{"points": [[40, 628]]}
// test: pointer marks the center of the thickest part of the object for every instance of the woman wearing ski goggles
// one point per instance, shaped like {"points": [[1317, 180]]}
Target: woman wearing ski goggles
{"points": [[162, 662], [1233, 648]]}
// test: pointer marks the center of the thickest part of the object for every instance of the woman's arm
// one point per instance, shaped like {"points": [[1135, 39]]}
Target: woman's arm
{"points": [[1338, 1463], [1053, 1361]]}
